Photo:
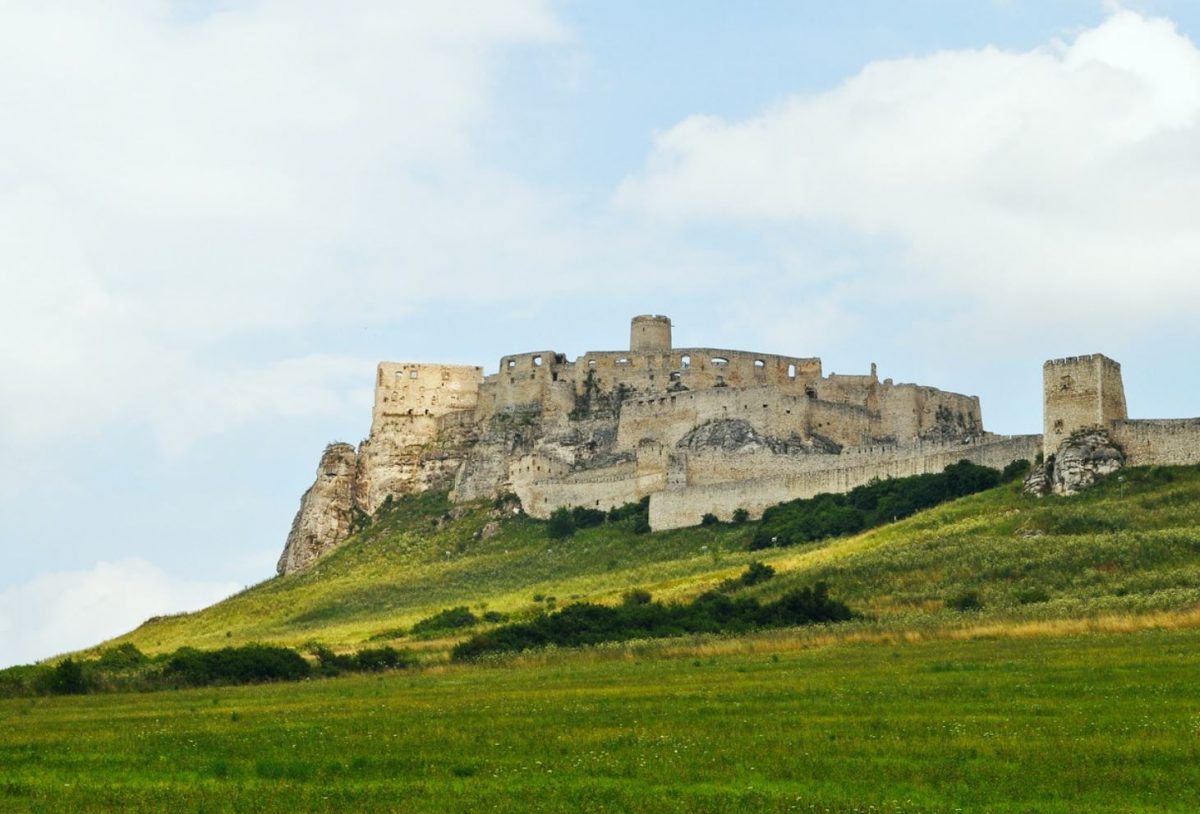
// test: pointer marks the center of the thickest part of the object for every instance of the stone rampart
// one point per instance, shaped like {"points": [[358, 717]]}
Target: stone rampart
{"points": [[675, 508], [1158, 441]]}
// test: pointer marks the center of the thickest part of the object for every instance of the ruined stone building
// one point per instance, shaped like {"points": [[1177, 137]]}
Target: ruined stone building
{"points": [[696, 430]]}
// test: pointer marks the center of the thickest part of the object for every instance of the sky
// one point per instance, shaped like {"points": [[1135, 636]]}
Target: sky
{"points": [[217, 216]]}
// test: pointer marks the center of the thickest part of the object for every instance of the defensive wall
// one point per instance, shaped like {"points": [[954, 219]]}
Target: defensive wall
{"points": [[674, 508]]}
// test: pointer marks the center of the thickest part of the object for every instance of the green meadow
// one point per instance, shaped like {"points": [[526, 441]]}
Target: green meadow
{"points": [[1045, 724], [1008, 655]]}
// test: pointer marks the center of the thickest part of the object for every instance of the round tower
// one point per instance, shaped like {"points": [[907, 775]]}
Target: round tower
{"points": [[650, 333]]}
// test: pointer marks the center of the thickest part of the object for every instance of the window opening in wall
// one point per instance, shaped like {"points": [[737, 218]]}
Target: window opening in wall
{"points": [[759, 364], [537, 360], [445, 375], [811, 392], [675, 376], [791, 371], [591, 362], [1058, 425], [512, 363], [412, 375], [685, 361], [623, 361], [719, 360]]}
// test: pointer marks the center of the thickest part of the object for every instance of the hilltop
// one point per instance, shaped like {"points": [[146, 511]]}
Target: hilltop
{"points": [[1125, 553]]}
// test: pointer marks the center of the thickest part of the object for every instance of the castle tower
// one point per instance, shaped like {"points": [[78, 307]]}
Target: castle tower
{"points": [[1080, 392], [650, 333], [415, 395]]}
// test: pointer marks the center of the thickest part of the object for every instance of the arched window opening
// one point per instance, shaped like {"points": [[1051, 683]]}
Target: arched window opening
{"points": [[791, 371], [685, 362]]}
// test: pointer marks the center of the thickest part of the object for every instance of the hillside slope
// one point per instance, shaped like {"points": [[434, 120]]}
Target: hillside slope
{"points": [[1126, 548]]}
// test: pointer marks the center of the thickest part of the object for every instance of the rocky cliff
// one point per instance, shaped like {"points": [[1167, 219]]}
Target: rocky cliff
{"points": [[326, 510]]}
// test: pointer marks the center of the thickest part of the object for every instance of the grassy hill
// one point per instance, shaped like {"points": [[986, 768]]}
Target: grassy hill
{"points": [[1126, 553], [965, 686]]}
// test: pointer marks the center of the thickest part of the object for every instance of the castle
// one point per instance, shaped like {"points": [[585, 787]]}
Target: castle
{"points": [[697, 430]]}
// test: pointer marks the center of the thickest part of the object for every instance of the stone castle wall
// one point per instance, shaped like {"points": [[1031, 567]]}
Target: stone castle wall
{"points": [[674, 508], [1158, 441]]}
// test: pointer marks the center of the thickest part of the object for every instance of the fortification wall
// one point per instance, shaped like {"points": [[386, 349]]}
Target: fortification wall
{"points": [[682, 369], [1163, 441], [910, 411], [676, 508], [1080, 392], [540, 377], [667, 418], [596, 489], [410, 390]]}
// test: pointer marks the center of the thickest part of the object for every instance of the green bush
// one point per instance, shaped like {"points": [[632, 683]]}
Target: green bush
{"points": [[249, 664], [561, 524], [448, 619], [713, 612], [709, 519], [740, 516]]}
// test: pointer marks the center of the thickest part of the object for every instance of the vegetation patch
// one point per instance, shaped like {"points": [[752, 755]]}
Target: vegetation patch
{"points": [[714, 612], [865, 507]]}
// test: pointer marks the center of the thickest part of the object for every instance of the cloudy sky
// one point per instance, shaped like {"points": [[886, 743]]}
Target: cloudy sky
{"points": [[216, 216]]}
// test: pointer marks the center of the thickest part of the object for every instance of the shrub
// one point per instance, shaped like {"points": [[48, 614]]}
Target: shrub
{"points": [[448, 619], [709, 519], [755, 573], [740, 516], [561, 524], [641, 525], [586, 623], [249, 664], [585, 518], [122, 657], [636, 596], [1016, 469], [965, 601], [67, 678]]}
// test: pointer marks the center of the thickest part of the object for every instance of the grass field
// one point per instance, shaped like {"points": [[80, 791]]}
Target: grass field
{"points": [[1129, 548], [1044, 724]]}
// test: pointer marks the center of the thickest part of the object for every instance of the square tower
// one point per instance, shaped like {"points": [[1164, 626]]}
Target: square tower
{"points": [[1080, 392]]}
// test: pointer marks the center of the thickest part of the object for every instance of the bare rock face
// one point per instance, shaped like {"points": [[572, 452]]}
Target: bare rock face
{"points": [[326, 511], [1083, 459]]}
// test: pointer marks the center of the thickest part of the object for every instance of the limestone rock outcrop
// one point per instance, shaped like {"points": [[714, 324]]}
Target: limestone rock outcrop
{"points": [[1084, 458], [326, 510]]}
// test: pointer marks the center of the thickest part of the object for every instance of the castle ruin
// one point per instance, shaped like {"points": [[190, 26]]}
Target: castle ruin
{"points": [[697, 430]]}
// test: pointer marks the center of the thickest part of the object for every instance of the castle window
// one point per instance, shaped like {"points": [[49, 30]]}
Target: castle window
{"points": [[512, 363], [412, 375], [675, 377], [685, 362], [759, 364], [719, 360], [537, 360], [623, 361], [1065, 383], [811, 392], [591, 363], [791, 371], [1058, 426]]}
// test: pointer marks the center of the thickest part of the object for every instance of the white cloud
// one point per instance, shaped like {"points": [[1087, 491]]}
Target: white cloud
{"points": [[1055, 188], [171, 185], [69, 610]]}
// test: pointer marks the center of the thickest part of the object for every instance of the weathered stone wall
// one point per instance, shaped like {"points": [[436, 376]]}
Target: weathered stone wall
{"points": [[674, 508], [1080, 392], [1163, 442]]}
